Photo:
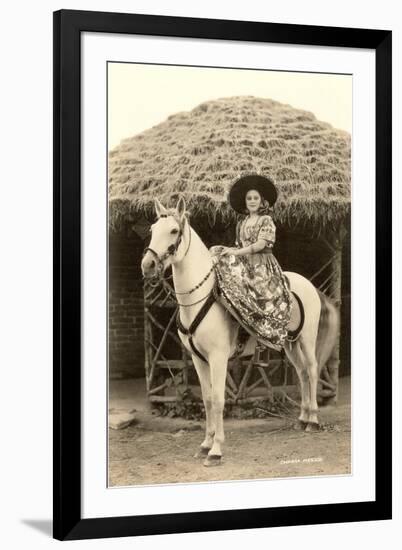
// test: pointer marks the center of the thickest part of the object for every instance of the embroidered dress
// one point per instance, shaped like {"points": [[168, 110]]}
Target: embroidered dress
{"points": [[253, 286]]}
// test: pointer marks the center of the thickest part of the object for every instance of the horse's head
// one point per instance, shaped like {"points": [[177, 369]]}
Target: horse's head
{"points": [[166, 246]]}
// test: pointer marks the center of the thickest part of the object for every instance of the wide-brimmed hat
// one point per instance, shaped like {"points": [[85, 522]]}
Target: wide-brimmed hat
{"points": [[264, 185]]}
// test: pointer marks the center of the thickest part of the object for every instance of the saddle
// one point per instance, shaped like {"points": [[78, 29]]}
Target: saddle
{"points": [[294, 327]]}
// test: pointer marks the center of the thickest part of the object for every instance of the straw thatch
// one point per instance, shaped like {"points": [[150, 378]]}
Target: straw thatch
{"points": [[199, 153]]}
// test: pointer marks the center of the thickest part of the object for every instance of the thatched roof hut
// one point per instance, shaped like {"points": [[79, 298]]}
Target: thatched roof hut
{"points": [[199, 153]]}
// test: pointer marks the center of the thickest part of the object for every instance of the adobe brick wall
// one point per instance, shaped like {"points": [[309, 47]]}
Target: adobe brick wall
{"points": [[126, 306]]}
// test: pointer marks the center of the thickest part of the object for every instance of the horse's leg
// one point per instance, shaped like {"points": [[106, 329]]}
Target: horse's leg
{"points": [[205, 383], [308, 349], [218, 366], [295, 356]]}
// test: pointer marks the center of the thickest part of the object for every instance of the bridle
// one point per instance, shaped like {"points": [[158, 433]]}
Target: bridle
{"points": [[171, 251], [207, 300]]}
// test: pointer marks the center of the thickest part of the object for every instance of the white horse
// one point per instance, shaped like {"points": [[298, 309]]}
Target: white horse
{"points": [[174, 243]]}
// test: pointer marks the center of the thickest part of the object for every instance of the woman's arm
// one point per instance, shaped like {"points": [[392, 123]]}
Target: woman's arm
{"points": [[266, 237], [251, 249]]}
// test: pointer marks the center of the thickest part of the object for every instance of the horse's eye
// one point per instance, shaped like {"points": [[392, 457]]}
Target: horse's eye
{"points": [[174, 231]]}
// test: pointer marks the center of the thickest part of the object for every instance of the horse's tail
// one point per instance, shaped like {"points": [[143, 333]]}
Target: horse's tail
{"points": [[328, 330]]}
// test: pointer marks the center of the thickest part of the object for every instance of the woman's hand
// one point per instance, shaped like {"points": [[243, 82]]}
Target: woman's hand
{"points": [[215, 251], [226, 250]]}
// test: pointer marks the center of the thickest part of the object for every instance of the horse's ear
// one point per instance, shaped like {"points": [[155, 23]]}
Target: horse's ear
{"points": [[181, 208], [159, 209]]}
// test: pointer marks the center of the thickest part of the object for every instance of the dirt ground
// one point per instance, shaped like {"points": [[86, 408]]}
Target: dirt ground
{"points": [[160, 450]]}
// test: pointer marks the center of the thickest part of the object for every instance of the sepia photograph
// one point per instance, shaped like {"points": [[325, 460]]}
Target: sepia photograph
{"points": [[229, 274]]}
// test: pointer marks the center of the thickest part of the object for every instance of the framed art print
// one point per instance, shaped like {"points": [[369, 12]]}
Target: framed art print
{"points": [[222, 269]]}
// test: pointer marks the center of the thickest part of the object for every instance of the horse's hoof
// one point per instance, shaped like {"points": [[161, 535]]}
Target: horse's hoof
{"points": [[202, 452], [300, 425], [312, 427], [213, 460]]}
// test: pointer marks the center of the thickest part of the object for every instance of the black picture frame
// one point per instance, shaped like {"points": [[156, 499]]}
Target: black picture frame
{"points": [[68, 27]]}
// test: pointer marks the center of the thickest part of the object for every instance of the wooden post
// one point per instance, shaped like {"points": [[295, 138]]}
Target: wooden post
{"points": [[147, 338], [335, 291]]}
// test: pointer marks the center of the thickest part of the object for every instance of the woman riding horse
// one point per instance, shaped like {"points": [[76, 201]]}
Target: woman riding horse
{"points": [[249, 275], [205, 327]]}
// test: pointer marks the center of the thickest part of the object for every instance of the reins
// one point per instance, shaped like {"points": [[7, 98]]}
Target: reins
{"points": [[194, 303], [196, 287]]}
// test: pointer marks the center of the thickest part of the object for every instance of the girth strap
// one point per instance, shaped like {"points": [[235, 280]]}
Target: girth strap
{"points": [[294, 334], [196, 322]]}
